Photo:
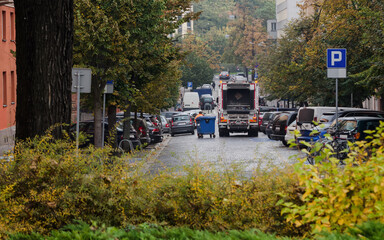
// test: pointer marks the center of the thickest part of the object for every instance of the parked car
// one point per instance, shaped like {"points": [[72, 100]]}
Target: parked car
{"points": [[88, 128], [224, 75], [165, 124], [265, 120], [358, 113], [268, 129], [142, 129], [182, 123], [280, 125], [325, 126], [155, 131], [352, 128], [168, 115]]}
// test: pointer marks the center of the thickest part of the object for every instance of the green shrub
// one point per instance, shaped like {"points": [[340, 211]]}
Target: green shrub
{"points": [[337, 198]]}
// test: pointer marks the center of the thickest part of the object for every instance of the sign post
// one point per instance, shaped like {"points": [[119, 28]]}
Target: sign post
{"points": [[81, 82], [337, 68], [107, 90]]}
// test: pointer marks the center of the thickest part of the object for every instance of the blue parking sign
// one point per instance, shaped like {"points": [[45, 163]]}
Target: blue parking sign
{"points": [[336, 58], [337, 63], [189, 85]]}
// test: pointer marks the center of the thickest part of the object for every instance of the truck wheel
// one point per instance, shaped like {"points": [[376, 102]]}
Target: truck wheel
{"points": [[221, 133]]}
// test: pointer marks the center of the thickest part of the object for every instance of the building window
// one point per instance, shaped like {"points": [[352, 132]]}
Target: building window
{"points": [[273, 27], [4, 26], [13, 87], [189, 24], [12, 27], [4, 89]]}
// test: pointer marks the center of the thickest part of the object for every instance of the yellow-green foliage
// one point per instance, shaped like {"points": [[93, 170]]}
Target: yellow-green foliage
{"points": [[337, 197], [48, 184]]}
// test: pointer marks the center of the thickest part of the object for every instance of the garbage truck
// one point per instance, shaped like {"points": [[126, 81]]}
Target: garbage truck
{"points": [[238, 108]]}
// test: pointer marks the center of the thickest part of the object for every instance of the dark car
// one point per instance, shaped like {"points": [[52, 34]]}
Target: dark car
{"points": [[352, 128], [207, 102], [88, 128], [182, 123], [165, 124], [268, 128], [224, 75], [155, 131], [142, 129], [280, 124], [358, 113], [168, 115], [265, 120]]}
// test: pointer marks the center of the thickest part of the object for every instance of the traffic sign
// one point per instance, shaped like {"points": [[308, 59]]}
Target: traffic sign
{"points": [[337, 63], [189, 85]]}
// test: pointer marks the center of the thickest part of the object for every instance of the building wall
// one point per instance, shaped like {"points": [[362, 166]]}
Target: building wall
{"points": [[8, 78], [7, 68], [271, 29], [286, 10], [185, 28]]}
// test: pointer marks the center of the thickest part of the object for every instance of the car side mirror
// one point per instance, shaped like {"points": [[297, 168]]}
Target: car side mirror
{"points": [[299, 123]]}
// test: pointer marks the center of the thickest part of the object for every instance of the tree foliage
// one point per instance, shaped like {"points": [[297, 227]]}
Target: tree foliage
{"points": [[127, 41], [299, 58]]}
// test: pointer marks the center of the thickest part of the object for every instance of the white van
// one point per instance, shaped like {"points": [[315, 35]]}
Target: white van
{"points": [[313, 114], [191, 101]]}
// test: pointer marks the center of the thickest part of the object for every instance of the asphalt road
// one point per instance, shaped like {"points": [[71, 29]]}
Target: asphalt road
{"points": [[237, 151]]}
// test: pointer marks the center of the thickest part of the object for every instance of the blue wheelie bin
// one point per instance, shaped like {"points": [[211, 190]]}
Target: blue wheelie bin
{"points": [[205, 125]]}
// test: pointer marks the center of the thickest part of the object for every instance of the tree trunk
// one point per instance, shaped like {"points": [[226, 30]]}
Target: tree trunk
{"points": [[127, 127], [97, 91], [44, 36], [112, 124]]}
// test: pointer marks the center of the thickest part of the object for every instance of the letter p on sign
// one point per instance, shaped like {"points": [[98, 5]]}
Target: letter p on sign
{"points": [[336, 58]]}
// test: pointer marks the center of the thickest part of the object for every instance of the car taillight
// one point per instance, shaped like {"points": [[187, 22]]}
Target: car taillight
{"points": [[155, 123], [172, 123], [156, 130], [286, 127], [141, 129], [190, 121], [167, 125], [357, 136], [315, 119]]}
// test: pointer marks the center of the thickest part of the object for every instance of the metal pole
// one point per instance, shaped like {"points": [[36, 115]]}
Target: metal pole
{"points": [[78, 111], [352, 100], [102, 133], [337, 104]]}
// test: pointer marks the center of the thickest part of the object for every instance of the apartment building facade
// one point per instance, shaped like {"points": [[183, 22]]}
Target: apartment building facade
{"points": [[286, 10], [7, 74]]}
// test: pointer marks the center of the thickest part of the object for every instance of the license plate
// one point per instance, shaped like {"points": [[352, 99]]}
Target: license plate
{"points": [[182, 123], [343, 136], [277, 128]]}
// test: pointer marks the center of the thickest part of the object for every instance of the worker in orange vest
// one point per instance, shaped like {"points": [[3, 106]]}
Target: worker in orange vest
{"points": [[199, 115]]}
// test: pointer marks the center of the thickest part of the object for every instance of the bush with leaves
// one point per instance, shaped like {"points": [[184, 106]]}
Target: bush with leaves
{"points": [[338, 197]]}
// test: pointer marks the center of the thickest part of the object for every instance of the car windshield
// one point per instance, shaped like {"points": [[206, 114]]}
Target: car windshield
{"points": [[348, 125], [181, 118], [326, 117]]}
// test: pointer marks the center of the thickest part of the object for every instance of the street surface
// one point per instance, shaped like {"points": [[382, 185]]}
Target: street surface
{"points": [[237, 151]]}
